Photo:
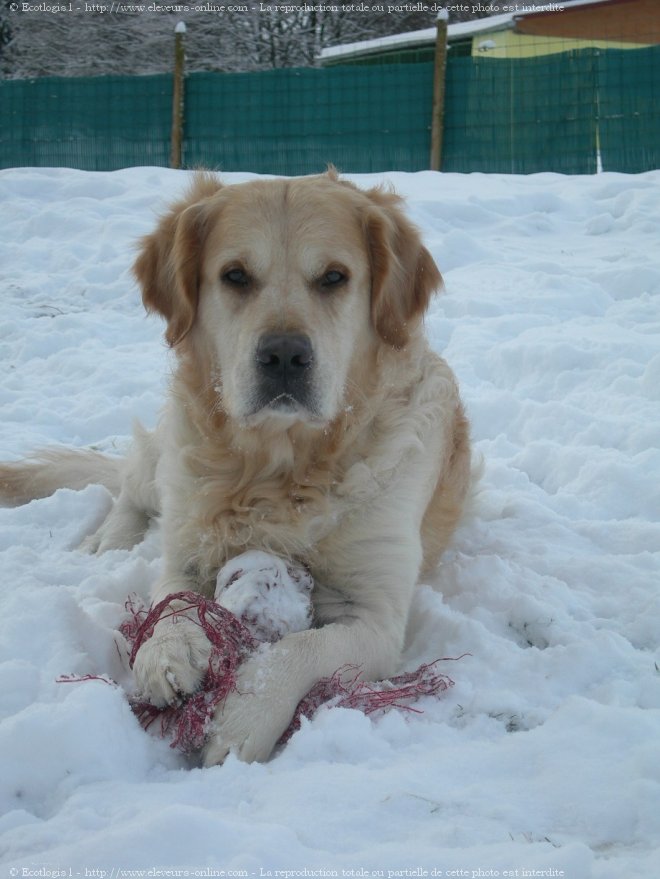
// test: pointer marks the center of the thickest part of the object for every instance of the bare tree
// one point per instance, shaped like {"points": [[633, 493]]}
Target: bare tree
{"points": [[93, 43], [96, 44], [5, 26], [276, 33], [293, 34]]}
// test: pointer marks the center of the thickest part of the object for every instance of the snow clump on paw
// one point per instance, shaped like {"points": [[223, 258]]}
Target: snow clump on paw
{"points": [[272, 597]]}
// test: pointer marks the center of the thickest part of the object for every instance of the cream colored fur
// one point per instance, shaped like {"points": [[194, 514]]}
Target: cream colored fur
{"points": [[362, 480]]}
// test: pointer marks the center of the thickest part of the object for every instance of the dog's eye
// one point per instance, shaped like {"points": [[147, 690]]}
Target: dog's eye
{"points": [[236, 278], [333, 278]]}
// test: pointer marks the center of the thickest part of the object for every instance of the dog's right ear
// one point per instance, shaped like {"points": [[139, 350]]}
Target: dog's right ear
{"points": [[169, 264]]}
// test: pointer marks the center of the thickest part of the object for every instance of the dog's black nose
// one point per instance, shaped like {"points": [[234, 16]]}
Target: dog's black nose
{"points": [[283, 355]]}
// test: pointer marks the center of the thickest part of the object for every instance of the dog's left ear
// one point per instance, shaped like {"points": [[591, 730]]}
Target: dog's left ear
{"points": [[403, 273]]}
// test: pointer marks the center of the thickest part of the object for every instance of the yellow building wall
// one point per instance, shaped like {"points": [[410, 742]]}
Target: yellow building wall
{"points": [[509, 44]]}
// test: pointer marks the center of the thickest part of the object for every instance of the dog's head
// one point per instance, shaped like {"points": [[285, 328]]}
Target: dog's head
{"points": [[287, 287]]}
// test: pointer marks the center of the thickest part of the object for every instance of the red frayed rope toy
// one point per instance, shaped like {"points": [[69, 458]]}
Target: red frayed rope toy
{"points": [[262, 598], [230, 641]]}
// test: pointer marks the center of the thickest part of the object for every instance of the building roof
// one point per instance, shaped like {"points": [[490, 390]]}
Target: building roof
{"points": [[460, 30], [415, 39]]}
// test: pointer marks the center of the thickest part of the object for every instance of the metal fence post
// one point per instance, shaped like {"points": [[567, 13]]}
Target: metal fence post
{"points": [[439, 71], [178, 96]]}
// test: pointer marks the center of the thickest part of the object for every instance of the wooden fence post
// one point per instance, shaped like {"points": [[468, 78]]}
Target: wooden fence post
{"points": [[439, 71], [178, 96]]}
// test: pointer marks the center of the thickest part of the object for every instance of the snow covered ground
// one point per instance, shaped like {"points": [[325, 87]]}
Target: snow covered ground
{"points": [[545, 756]]}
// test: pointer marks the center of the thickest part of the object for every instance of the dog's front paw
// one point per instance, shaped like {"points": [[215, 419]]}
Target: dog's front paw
{"points": [[173, 662], [250, 721]]}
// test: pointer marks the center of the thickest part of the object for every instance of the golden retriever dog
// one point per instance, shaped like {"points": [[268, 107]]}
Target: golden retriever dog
{"points": [[307, 417]]}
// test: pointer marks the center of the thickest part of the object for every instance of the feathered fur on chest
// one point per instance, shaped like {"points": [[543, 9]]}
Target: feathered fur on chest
{"points": [[281, 490]]}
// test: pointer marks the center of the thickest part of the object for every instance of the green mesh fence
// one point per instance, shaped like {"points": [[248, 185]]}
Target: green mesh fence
{"points": [[521, 115], [296, 121], [549, 113], [629, 109], [95, 124]]}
